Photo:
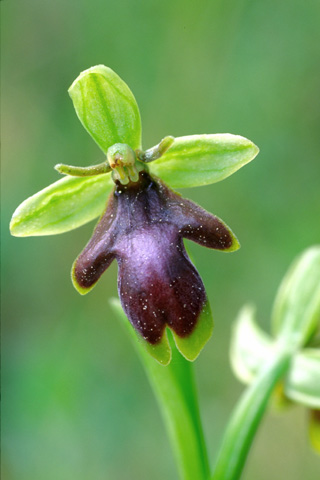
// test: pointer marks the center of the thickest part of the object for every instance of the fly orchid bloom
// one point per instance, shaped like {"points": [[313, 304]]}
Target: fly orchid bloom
{"points": [[295, 328], [143, 222]]}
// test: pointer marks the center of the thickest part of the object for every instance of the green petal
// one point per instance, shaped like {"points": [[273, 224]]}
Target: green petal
{"points": [[191, 346], [106, 108], [160, 352], [63, 206], [250, 346], [302, 383], [203, 159], [296, 311]]}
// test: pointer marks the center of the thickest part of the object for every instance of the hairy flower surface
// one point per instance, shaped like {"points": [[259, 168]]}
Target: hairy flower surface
{"points": [[144, 222]]}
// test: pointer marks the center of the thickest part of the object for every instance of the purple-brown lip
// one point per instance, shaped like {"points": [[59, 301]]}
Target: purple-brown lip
{"points": [[142, 228]]}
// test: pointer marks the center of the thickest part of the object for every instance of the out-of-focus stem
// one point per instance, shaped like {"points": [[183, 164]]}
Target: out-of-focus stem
{"points": [[246, 418]]}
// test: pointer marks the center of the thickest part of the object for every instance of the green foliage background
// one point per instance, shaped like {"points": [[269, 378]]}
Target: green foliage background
{"points": [[76, 401]]}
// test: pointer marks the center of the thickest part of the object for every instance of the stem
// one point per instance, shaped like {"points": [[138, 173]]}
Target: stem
{"points": [[175, 391], [246, 418]]}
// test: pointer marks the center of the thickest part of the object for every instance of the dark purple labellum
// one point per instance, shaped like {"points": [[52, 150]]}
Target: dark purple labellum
{"points": [[142, 228]]}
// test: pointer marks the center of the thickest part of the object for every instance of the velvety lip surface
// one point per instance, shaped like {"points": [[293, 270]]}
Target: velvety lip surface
{"points": [[142, 228]]}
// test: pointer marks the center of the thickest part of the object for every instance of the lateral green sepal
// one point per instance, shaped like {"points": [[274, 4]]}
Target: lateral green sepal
{"points": [[64, 205], [197, 160]]}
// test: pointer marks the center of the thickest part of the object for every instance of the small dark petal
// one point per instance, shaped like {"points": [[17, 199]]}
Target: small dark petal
{"points": [[206, 229], [196, 224], [202, 227], [98, 253]]}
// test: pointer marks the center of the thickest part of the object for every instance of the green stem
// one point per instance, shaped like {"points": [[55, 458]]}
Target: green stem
{"points": [[175, 391], [246, 418]]}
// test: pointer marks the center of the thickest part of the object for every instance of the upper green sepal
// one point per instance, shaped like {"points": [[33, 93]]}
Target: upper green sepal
{"points": [[197, 160], [63, 206], [296, 311], [106, 108]]}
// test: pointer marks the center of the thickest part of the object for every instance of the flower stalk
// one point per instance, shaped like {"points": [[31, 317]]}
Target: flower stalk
{"points": [[175, 391], [262, 360]]}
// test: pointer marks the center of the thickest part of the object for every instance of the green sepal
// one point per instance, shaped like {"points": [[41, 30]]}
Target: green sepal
{"points": [[106, 108], [197, 160], [160, 352], [63, 206], [250, 346], [302, 384], [314, 429], [191, 346], [296, 309]]}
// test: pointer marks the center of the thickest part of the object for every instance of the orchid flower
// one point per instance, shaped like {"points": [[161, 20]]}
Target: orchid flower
{"points": [[142, 220], [295, 326]]}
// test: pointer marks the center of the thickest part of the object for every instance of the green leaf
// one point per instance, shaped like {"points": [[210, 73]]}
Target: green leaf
{"points": [[106, 108], [302, 384], [296, 311], [191, 346], [250, 346], [197, 160], [174, 388], [63, 206]]}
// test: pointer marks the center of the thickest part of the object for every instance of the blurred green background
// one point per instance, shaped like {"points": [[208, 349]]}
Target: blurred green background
{"points": [[76, 402]]}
